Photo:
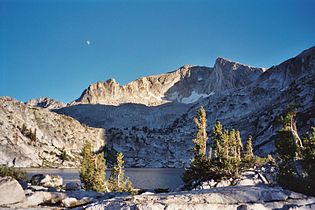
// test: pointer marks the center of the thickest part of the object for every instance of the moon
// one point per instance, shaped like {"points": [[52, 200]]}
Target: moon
{"points": [[88, 42]]}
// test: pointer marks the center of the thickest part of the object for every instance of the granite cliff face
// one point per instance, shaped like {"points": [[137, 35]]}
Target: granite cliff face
{"points": [[32, 137]]}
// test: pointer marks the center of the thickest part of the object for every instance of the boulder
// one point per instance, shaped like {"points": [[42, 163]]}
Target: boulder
{"points": [[47, 180], [224, 183], [73, 202], [73, 186], [10, 191], [69, 202], [248, 182], [41, 197], [206, 185]]}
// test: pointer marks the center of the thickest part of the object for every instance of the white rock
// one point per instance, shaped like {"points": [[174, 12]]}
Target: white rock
{"points": [[47, 180], [224, 183], [40, 197], [69, 202], [37, 188], [248, 182], [10, 191]]}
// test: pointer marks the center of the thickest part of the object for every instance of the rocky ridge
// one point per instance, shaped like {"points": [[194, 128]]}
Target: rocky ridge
{"points": [[32, 136], [185, 85], [45, 102]]}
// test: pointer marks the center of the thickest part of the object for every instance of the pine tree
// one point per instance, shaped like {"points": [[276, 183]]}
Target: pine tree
{"points": [[249, 155], [224, 155], [198, 169], [87, 166], [99, 173], [239, 145], [117, 182], [218, 139], [92, 172], [200, 141], [232, 144]]}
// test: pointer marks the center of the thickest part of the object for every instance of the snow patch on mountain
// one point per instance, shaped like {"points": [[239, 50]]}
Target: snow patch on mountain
{"points": [[195, 97]]}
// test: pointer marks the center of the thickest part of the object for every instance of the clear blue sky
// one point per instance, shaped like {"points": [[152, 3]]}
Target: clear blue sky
{"points": [[44, 50]]}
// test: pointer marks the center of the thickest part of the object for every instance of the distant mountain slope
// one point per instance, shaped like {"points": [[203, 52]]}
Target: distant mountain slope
{"points": [[37, 137]]}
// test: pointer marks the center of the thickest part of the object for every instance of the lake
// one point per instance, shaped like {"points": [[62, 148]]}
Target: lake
{"points": [[145, 178]]}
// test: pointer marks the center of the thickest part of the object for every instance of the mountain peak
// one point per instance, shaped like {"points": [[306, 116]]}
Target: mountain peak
{"points": [[232, 65], [45, 102], [111, 80]]}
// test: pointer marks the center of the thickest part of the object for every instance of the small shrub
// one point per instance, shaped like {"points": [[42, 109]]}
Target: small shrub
{"points": [[64, 156], [13, 172]]}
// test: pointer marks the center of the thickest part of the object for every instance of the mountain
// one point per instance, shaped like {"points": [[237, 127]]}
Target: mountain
{"points": [[241, 97], [151, 119], [32, 137], [184, 85]]}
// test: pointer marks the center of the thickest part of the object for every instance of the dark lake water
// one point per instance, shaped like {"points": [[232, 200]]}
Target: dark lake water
{"points": [[146, 178]]}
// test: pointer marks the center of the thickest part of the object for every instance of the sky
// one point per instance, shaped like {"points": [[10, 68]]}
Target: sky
{"points": [[56, 49]]}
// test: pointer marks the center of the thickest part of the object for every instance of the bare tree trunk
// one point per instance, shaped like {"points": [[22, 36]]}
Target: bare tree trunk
{"points": [[295, 134]]}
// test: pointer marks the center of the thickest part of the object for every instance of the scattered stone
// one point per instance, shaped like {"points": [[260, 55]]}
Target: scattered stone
{"points": [[263, 178], [10, 191], [242, 207], [69, 202], [37, 188], [41, 197], [224, 183], [248, 182], [148, 193], [28, 192], [73, 202], [47, 180]]}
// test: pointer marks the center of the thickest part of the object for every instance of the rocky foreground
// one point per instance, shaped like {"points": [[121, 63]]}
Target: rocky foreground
{"points": [[237, 197], [255, 189]]}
